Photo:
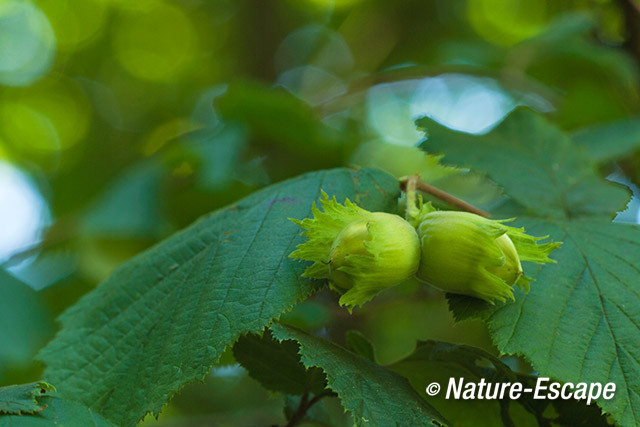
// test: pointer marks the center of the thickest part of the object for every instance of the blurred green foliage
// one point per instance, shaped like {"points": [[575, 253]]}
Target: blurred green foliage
{"points": [[130, 119]]}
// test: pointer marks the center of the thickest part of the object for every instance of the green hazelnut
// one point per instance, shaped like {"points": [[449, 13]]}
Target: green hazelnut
{"points": [[467, 254], [359, 252], [511, 270]]}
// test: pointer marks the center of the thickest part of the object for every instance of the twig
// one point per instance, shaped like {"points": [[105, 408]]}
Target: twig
{"points": [[415, 182], [300, 411], [304, 405], [504, 414]]}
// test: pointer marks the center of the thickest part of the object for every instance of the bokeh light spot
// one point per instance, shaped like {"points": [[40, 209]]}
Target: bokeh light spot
{"points": [[157, 44], [27, 128], [49, 116], [465, 103], [27, 43], [389, 112], [461, 102], [23, 211], [507, 22], [75, 23]]}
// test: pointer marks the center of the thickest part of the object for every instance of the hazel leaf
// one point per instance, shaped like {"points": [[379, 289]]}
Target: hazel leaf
{"points": [[23, 398], [373, 395], [610, 141], [164, 317], [276, 365], [56, 412], [535, 162], [581, 320]]}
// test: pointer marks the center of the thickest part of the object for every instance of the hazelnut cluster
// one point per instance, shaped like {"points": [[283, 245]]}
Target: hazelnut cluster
{"points": [[362, 252]]}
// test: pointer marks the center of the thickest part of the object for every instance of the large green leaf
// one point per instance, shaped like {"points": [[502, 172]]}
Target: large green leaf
{"points": [[610, 141], [372, 394], [536, 164], [163, 318], [23, 398], [581, 320], [32, 405], [57, 412]]}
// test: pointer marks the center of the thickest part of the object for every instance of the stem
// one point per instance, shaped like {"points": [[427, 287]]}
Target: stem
{"points": [[300, 411], [413, 182], [316, 399], [304, 405], [410, 189], [504, 414]]}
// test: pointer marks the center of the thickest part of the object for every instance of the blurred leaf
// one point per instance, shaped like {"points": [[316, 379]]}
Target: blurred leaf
{"points": [[47, 268], [130, 206], [562, 28], [534, 162], [25, 323], [569, 36], [277, 365], [215, 152], [581, 320], [610, 141], [278, 116], [57, 412], [598, 81], [360, 345], [23, 398], [372, 394], [253, 173], [164, 317]]}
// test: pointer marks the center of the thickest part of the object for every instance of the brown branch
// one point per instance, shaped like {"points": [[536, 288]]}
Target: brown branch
{"points": [[450, 199], [301, 410], [304, 405], [317, 398]]}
